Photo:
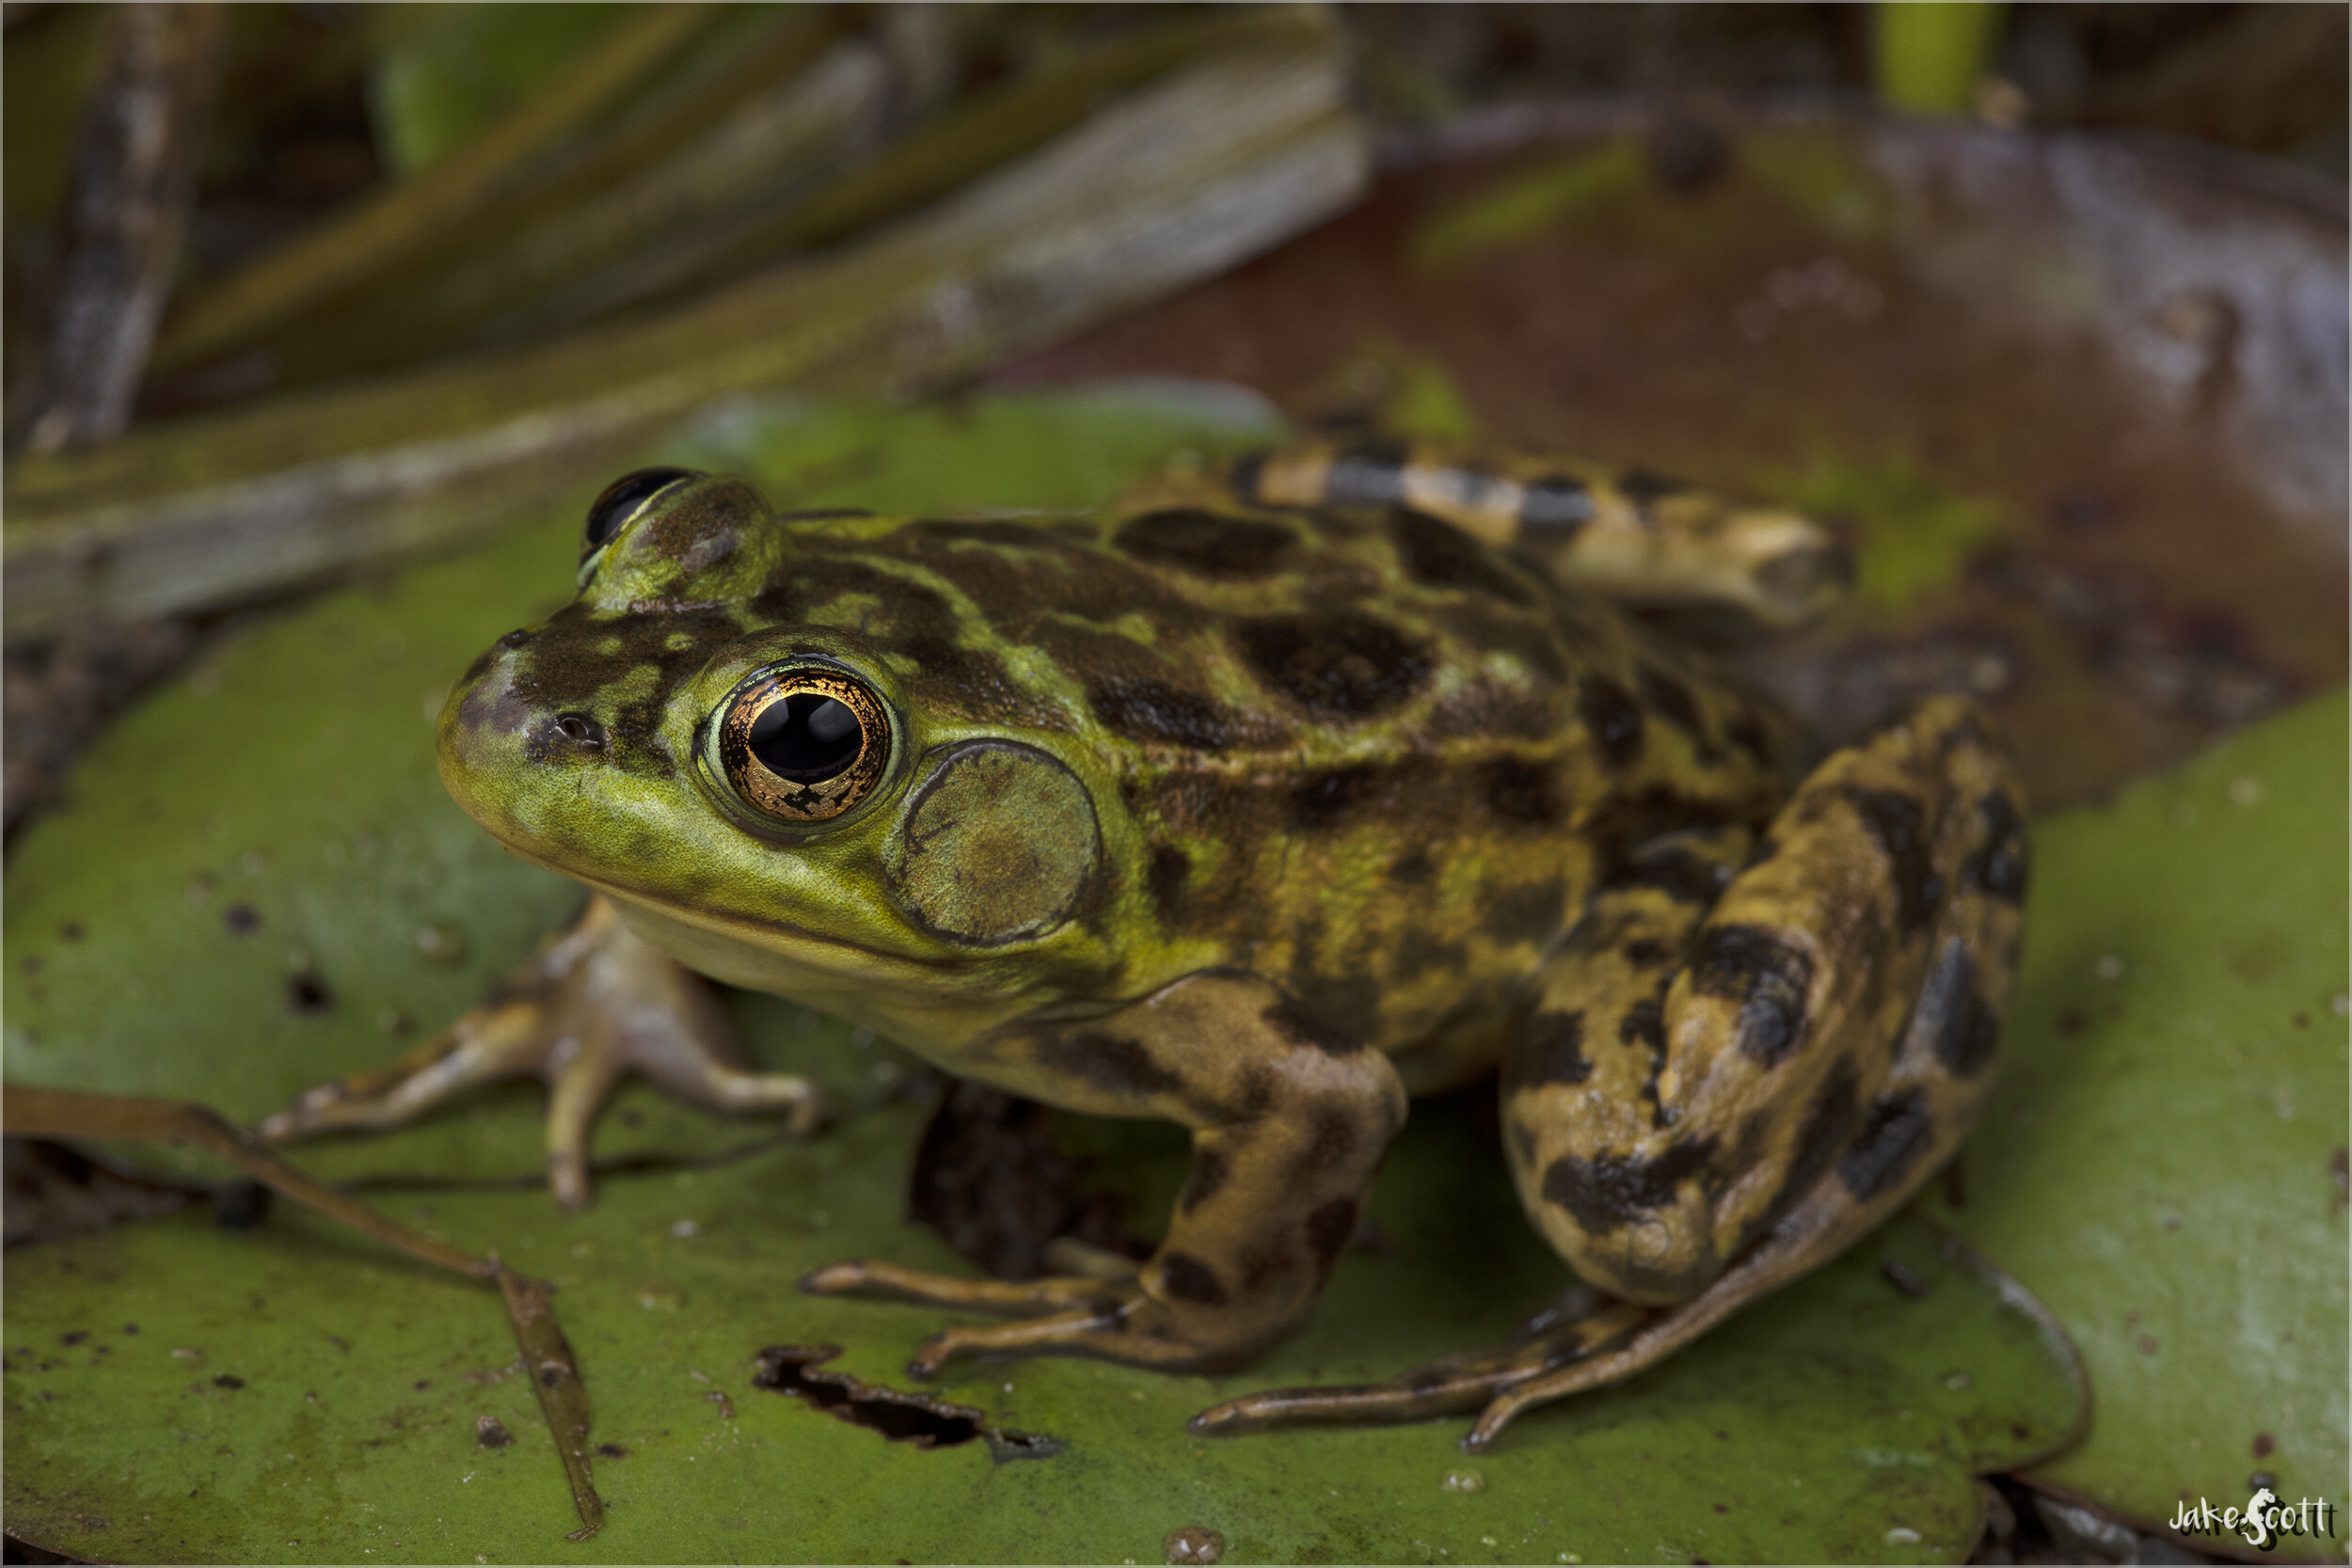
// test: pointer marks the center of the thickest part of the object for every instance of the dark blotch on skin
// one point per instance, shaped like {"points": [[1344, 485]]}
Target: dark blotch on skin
{"points": [[1643, 1023], [1414, 868], [1669, 698], [1346, 667], [1829, 1125], [1440, 555], [1613, 718], [1321, 801], [1894, 1136], [1299, 1027], [1204, 542], [983, 531], [1368, 474], [1681, 876], [1190, 1279], [1523, 792], [1998, 867], [1963, 1031], [1556, 504], [1329, 1229], [1747, 732], [240, 918], [1165, 875], [1111, 1063], [1551, 1049], [1530, 913], [1611, 1191], [1332, 1143], [307, 993], [1205, 1180], [1767, 977], [1154, 711], [968, 679], [1896, 821], [822, 514]]}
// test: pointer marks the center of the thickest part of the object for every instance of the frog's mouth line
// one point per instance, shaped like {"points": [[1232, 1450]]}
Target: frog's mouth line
{"points": [[765, 936]]}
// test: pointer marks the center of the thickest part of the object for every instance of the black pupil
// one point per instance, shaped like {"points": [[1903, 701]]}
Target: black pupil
{"points": [[808, 738], [622, 497]]}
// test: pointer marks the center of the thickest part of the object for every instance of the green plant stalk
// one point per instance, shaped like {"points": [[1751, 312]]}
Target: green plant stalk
{"points": [[583, 259], [343, 253], [1929, 53]]}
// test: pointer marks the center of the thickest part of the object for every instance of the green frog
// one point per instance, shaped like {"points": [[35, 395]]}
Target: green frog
{"points": [[1261, 800]]}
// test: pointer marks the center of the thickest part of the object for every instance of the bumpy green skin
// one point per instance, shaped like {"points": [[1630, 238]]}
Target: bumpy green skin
{"points": [[1259, 814]]}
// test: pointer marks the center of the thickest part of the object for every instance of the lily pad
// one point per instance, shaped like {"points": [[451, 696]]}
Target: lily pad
{"points": [[2164, 1161], [297, 1394]]}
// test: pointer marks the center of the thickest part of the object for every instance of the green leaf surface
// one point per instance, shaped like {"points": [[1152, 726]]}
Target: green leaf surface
{"points": [[297, 1394], [2163, 1163], [1912, 532]]}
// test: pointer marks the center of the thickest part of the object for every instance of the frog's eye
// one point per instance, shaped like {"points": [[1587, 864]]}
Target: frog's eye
{"points": [[803, 745], [620, 499]]}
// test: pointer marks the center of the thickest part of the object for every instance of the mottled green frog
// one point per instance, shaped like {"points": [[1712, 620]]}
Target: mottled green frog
{"points": [[1260, 801]]}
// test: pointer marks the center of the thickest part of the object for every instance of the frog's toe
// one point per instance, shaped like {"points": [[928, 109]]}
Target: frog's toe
{"points": [[498, 1039], [1003, 1297], [1578, 1325], [1417, 1396], [1119, 1323]]}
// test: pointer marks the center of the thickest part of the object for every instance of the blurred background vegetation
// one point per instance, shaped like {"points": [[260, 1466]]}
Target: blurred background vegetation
{"points": [[373, 227]]}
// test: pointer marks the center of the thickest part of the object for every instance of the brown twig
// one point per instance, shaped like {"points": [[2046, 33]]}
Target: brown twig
{"points": [[133, 181]]}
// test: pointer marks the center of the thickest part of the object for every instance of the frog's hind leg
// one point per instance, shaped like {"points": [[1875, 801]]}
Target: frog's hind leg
{"points": [[1623, 533], [596, 1004], [1712, 1095]]}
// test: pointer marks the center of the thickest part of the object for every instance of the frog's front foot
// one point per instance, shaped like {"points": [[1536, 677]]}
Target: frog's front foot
{"points": [[596, 1004], [1134, 1320]]}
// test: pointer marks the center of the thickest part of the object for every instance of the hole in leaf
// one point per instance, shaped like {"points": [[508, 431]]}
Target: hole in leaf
{"points": [[923, 1420]]}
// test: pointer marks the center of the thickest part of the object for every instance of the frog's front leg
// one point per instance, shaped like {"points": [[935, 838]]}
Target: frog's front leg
{"points": [[596, 1003], [1289, 1120], [1724, 1080]]}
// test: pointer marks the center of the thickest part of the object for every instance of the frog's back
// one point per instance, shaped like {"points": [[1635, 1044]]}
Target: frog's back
{"points": [[1353, 749]]}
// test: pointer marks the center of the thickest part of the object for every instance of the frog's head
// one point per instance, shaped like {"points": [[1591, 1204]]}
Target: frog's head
{"points": [[722, 733]]}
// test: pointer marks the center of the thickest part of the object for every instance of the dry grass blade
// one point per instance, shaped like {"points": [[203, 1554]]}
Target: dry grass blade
{"points": [[555, 1378], [64, 1113], [135, 179], [1164, 188]]}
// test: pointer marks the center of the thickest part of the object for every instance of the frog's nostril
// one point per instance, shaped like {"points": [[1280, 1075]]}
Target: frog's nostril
{"points": [[515, 639], [580, 729]]}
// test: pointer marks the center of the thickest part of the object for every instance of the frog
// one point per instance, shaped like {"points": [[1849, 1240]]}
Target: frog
{"points": [[1263, 800]]}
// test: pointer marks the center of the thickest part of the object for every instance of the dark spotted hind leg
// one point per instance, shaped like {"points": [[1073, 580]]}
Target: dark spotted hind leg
{"points": [[1711, 1095], [1622, 534]]}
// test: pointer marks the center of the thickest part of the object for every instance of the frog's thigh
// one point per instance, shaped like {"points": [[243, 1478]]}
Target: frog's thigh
{"points": [[1758, 1076], [1832, 1021], [1825, 1048], [1289, 1118]]}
